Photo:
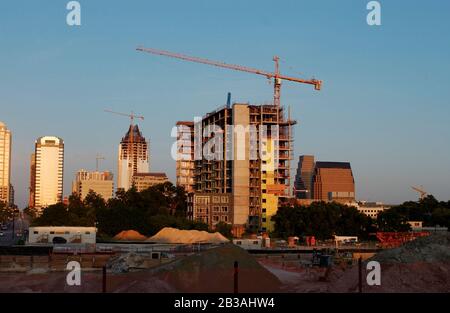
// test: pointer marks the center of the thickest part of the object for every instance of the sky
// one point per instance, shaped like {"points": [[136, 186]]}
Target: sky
{"points": [[384, 106]]}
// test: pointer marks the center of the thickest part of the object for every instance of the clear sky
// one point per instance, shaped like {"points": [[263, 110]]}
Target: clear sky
{"points": [[384, 106]]}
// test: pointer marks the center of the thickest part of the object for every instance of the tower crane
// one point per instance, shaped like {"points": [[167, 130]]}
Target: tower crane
{"points": [[132, 116], [421, 191], [276, 76], [98, 157]]}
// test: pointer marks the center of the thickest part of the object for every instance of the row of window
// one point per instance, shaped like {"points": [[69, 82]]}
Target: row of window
{"points": [[60, 233]]}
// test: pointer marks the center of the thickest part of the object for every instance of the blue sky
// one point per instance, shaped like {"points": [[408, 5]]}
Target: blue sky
{"points": [[384, 106]]}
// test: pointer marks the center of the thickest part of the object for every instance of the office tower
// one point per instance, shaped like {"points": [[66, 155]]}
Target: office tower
{"points": [[185, 155], [303, 178], [11, 195], [240, 177], [333, 181], [32, 180], [133, 157], [101, 183], [144, 181], [49, 172], [5, 163]]}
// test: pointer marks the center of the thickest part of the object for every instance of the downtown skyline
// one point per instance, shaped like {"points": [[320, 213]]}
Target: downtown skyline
{"points": [[383, 107]]}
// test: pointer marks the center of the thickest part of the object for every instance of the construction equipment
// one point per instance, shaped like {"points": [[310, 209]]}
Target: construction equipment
{"points": [[396, 239], [421, 192], [132, 116], [130, 152], [97, 159], [276, 76]]}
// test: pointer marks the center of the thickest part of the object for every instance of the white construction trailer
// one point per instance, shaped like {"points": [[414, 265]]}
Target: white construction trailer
{"points": [[61, 235]]}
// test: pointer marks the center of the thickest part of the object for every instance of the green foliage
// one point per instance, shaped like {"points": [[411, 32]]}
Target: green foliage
{"points": [[392, 221], [428, 210], [224, 229], [32, 213], [147, 212], [322, 220], [6, 212]]}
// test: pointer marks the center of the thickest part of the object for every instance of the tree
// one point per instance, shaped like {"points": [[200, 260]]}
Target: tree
{"points": [[321, 219], [392, 221], [224, 229], [6, 212], [31, 212]]}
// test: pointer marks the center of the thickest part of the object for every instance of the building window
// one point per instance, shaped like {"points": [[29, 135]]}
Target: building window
{"points": [[224, 209]]}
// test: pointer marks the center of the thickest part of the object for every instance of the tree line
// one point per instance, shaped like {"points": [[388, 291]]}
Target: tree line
{"points": [[147, 211], [324, 220]]}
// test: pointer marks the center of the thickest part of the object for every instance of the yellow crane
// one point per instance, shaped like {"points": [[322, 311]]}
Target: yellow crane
{"points": [[421, 191]]}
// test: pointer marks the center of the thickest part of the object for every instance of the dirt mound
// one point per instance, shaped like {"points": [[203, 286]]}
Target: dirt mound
{"points": [[213, 270], [173, 235], [130, 235], [433, 248]]}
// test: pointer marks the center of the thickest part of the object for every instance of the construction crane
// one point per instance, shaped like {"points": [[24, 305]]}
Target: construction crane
{"points": [[98, 157], [132, 116], [275, 76], [421, 191]]}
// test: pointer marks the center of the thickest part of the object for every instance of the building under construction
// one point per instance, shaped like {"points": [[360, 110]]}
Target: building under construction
{"points": [[241, 186]]}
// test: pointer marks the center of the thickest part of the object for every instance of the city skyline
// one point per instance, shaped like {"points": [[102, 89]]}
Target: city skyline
{"points": [[382, 107]]}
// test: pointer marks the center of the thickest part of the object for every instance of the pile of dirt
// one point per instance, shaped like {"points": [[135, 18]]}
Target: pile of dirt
{"points": [[433, 248], [173, 235], [130, 235], [213, 271]]}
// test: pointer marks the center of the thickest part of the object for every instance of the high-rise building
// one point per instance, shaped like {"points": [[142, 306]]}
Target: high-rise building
{"points": [[250, 169], [333, 181], [303, 178], [5, 163], [11, 195], [101, 183], [144, 181], [49, 171], [185, 155], [32, 180], [133, 157]]}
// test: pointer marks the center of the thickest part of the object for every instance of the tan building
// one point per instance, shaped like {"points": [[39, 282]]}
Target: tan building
{"points": [[5, 163], [101, 183], [237, 168], [210, 208], [32, 180], [333, 181], [371, 209], [185, 155], [143, 181], [133, 157], [49, 171], [303, 178]]}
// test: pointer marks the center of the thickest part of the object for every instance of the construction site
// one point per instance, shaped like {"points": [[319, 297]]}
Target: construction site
{"points": [[200, 262]]}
